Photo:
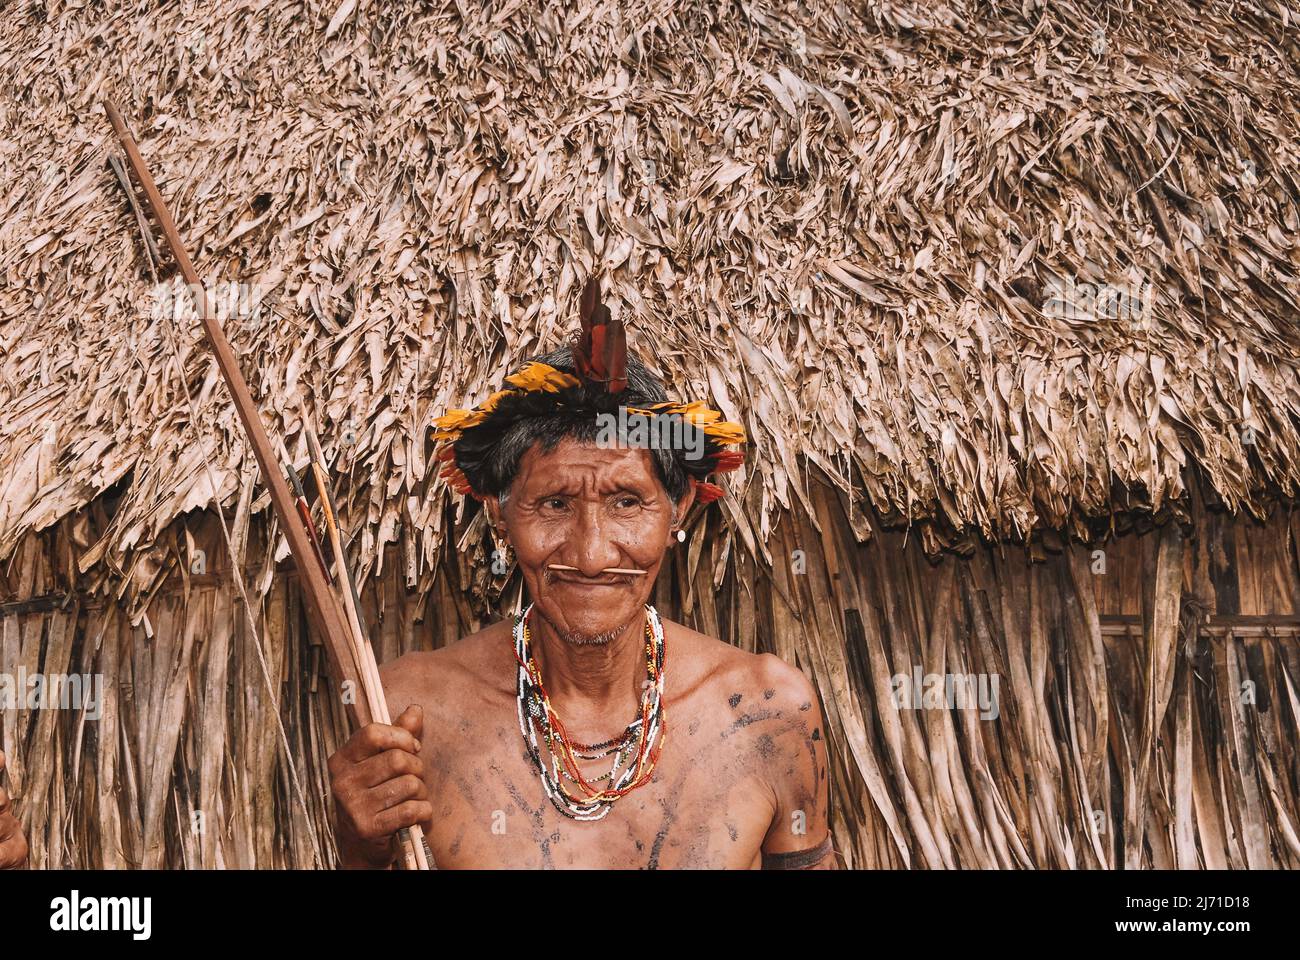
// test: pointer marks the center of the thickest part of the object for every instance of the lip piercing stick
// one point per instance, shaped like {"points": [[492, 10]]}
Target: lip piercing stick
{"points": [[627, 570]]}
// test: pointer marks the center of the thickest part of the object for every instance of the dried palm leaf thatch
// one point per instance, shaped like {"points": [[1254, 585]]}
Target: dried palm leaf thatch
{"points": [[874, 235], [844, 225], [1119, 736]]}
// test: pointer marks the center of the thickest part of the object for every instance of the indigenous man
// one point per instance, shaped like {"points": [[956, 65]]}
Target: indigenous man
{"points": [[13, 845], [515, 748]]}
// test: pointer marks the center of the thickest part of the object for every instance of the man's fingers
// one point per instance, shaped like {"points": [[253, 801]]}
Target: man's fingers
{"points": [[377, 780], [412, 720], [376, 738], [395, 792], [388, 766], [406, 814]]}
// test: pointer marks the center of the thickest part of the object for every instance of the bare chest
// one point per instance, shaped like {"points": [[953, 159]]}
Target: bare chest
{"points": [[707, 805]]}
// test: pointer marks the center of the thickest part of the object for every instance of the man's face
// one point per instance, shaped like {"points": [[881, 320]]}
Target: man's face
{"points": [[593, 508]]}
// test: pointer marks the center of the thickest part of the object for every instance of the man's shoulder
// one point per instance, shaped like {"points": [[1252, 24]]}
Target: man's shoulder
{"points": [[469, 665], [762, 709], [762, 677]]}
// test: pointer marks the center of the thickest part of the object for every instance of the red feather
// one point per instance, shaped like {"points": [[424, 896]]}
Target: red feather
{"points": [[706, 492], [600, 353], [727, 460]]}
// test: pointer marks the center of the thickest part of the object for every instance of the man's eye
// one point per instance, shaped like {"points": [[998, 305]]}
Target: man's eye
{"points": [[628, 501], [554, 500]]}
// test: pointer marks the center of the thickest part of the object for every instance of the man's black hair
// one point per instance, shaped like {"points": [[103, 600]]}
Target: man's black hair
{"points": [[490, 458]]}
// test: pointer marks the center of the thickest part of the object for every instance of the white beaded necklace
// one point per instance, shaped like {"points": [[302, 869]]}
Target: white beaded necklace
{"points": [[533, 712]]}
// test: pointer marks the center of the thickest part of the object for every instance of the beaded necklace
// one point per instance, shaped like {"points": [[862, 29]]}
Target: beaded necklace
{"points": [[644, 736]]}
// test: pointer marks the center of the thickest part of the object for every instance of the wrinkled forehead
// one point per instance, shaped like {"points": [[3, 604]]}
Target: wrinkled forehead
{"points": [[578, 464]]}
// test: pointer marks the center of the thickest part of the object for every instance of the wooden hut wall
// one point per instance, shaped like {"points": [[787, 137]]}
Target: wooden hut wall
{"points": [[1147, 706]]}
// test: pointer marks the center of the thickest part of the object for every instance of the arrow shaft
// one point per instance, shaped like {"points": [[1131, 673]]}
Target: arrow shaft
{"points": [[323, 607]]}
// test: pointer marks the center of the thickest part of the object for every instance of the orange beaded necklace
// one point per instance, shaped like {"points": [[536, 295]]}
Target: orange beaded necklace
{"points": [[645, 735]]}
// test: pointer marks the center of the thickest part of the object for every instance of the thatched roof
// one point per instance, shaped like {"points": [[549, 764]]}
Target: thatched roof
{"points": [[838, 222]]}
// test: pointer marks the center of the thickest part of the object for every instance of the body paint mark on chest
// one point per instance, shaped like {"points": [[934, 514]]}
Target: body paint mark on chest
{"points": [[745, 719]]}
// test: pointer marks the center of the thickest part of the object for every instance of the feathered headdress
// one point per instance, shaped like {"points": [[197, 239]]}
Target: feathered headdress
{"points": [[600, 360]]}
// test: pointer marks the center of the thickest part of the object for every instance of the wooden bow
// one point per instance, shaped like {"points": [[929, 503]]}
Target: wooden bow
{"points": [[350, 656]]}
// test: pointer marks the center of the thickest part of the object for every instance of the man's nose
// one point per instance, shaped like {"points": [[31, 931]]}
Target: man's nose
{"points": [[593, 548]]}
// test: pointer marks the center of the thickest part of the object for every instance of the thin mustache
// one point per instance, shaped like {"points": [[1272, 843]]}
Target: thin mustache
{"points": [[624, 570]]}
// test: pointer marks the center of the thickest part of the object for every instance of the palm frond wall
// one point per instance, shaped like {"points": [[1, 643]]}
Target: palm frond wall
{"points": [[873, 234]]}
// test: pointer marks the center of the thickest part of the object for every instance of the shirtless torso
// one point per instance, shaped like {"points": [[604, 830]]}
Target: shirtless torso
{"points": [[742, 772]]}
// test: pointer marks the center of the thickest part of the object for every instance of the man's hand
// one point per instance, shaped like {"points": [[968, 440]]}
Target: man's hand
{"points": [[377, 779], [13, 845]]}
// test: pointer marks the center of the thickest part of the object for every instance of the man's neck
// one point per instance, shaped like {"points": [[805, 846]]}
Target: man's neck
{"points": [[594, 684]]}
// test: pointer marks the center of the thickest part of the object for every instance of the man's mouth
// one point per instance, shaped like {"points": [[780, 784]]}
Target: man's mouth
{"points": [[587, 581]]}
